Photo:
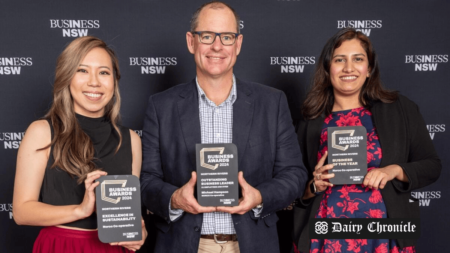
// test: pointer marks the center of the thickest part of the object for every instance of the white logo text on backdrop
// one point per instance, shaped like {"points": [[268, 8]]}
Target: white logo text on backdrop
{"points": [[153, 65], [364, 26], [435, 128], [74, 28], [425, 197], [13, 65], [426, 62], [292, 64], [11, 140], [7, 208]]}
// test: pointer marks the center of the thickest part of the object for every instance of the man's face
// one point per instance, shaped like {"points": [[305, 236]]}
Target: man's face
{"points": [[215, 60]]}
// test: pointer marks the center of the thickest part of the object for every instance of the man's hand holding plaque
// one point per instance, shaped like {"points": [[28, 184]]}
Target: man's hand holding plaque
{"points": [[251, 198], [184, 199]]}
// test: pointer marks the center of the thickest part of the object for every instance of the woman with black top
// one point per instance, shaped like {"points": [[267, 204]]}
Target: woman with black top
{"points": [[347, 91], [78, 141]]}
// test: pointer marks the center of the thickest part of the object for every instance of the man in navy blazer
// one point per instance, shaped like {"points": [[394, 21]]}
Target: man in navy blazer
{"points": [[216, 107]]}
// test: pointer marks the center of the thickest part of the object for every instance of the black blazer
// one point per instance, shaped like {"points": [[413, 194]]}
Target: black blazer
{"points": [[268, 154], [405, 141]]}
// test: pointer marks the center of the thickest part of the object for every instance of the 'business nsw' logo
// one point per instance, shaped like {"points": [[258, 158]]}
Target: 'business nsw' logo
{"points": [[425, 197], [7, 207], [74, 28], [11, 140], [435, 128], [292, 64], [426, 62], [364, 26], [13, 65], [153, 65]]}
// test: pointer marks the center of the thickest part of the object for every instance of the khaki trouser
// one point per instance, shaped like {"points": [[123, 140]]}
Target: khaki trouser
{"points": [[210, 246]]}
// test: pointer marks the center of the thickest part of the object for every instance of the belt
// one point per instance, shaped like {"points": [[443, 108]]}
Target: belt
{"points": [[220, 238]]}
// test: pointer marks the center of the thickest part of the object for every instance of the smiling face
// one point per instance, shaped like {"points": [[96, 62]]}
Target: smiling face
{"points": [[215, 60], [349, 68], [92, 86]]}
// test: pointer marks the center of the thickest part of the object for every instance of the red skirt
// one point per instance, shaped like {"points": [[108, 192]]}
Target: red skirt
{"points": [[55, 239]]}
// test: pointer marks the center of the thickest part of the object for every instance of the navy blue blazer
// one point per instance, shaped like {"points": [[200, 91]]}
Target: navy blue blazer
{"points": [[268, 154]]}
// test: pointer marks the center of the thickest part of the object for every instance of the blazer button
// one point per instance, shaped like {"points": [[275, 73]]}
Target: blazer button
{"points": [[196, 229]]}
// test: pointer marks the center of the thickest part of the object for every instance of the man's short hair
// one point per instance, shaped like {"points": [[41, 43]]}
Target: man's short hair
{"points": [[213, 5]]}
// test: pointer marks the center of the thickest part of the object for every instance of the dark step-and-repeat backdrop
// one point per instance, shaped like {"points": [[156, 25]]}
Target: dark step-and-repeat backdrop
{"points": [[282, 43]]}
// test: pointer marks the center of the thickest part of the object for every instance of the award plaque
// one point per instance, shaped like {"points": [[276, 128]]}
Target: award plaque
{"points": [[217, 174], [118, 200], [347, 150]]}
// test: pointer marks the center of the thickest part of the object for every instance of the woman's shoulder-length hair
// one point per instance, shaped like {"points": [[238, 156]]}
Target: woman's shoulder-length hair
{"points": [[73, 150], [320, 98]]}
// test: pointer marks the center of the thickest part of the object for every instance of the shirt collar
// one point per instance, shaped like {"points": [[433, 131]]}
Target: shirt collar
{"points": [[231, 98]]}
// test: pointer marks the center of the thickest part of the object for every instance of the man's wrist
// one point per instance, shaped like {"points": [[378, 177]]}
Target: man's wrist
{"points": [[173, 201], [260, 200]]}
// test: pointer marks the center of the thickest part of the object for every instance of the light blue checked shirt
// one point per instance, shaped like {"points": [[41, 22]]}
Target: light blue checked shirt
{"points": [[216, 123]]}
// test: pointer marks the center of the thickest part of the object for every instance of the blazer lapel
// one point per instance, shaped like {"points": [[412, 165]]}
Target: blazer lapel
{"points": [[188, 113], [313, 131], [242, 117]]}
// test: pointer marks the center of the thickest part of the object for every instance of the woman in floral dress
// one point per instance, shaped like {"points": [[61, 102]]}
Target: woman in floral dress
{"points": [[400, 155]]}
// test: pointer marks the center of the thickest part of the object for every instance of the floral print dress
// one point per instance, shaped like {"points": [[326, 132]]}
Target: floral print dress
{"points": [[354, 201]]}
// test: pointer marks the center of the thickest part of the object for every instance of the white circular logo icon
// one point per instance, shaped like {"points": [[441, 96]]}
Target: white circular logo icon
{"points": [[321, 227]]}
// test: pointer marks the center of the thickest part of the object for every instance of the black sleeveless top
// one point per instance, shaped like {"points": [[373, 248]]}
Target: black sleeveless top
{"points": [[60, 188]]}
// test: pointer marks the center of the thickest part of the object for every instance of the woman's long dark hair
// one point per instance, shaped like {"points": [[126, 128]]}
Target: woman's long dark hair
{"points": [[73, 150], [320, 98]]}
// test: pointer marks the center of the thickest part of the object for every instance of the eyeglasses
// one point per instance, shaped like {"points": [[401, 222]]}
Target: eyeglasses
{"points": [[207, 37]]}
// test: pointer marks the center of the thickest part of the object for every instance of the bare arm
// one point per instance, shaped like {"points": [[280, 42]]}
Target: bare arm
{"points": [[30, 170], [136, 151]]}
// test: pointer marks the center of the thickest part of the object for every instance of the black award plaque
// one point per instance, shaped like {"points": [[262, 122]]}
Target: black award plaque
{"points": [[118, 200], [347, 150], [217, 174]]}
